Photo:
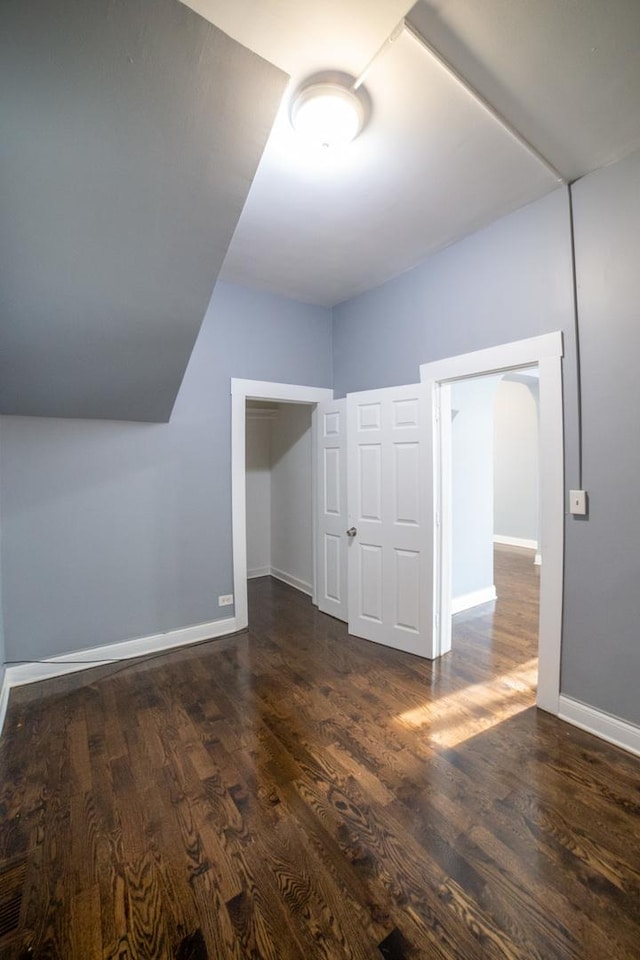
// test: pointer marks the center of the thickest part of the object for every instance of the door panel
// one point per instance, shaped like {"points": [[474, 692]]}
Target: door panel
{"points": [[389, 560], [370, 481], [370, 592], [332, 567], [332, 465], [407, 574], [331, 471], [407, 483]]}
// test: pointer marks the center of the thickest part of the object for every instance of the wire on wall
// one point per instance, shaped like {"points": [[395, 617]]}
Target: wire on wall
{"points": [[576, 332]]}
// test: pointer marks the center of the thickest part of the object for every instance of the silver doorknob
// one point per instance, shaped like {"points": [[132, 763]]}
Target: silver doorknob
{"points": [[352, 531]]}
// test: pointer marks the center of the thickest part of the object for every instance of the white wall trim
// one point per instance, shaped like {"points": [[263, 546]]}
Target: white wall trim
{"points": [[258, 572], [506, 356], [19, 674], [295, 582], [241, 390], [4, 699], [546, 351], [515, 541], [619, 732], [468, 600], [280, 392]]}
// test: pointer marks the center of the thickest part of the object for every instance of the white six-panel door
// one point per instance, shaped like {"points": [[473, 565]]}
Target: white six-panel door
{"points": [[331, 507], [390, 567]]}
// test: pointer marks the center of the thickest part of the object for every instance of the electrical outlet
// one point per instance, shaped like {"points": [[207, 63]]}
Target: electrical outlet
{"points": [[578, 502], [226, 600]]}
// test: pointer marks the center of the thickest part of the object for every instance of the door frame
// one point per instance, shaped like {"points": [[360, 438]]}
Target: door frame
{"points": [[241, 391], [546, 351]]}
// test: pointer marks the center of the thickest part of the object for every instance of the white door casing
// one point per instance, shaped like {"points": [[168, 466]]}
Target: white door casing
{"points": [[546, 351], [389, 557], [241, 390], [330, 419]]}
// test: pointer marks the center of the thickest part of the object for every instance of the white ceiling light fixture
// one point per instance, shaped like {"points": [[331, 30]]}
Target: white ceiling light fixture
{"points": [[329, 114], [331, 109]]}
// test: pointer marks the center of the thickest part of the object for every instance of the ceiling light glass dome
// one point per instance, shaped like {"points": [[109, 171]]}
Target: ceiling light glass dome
{"points": [[327, 114]]}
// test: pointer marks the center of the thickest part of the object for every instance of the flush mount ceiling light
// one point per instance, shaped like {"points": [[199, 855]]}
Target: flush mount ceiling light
{"points": [[328, 114]]}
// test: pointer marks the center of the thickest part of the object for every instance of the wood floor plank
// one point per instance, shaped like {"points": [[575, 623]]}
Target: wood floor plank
{"points": [[293, 792]]}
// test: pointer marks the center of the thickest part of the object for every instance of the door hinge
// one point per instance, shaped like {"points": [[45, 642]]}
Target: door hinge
{"points": [[437, 518]]}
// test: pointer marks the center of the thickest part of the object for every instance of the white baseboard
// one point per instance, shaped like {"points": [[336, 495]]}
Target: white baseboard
{"points": [[295, 582], [604, 725], [537, 559], [4, 700], [258, 572], [20, 674], [288, 578], [515, 541], [468, 600]]}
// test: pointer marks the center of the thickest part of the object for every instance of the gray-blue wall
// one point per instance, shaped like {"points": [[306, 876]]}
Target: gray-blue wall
{"points": [[116, 530], [601, 662], [508, 281], [513, 280]]}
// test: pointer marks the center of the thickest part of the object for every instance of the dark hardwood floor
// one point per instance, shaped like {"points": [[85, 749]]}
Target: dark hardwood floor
{"points": [[293, 792]]}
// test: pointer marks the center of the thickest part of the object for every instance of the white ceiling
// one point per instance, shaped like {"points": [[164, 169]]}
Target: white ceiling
{"points": [[432, 165]]}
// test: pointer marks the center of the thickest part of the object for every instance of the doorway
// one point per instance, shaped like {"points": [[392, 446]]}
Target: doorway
{"points": [[388, 460], [494, 532], [494, 479], [546, 352], [241, 392], [279, 509]]}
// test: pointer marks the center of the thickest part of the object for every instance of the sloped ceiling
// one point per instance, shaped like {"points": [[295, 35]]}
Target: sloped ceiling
{"points": [[432, 164], [131, 132], [565, 72]]}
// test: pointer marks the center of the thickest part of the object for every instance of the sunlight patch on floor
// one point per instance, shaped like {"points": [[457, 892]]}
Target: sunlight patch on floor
{"points": [[455, 717]]}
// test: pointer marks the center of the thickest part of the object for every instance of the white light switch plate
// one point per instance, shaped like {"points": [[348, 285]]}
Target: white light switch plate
{"points": [[578, 502], [226, 600]]}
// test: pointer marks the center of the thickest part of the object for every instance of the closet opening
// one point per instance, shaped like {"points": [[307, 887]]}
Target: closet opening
{"points": [[272, 397], [279, 502]]}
